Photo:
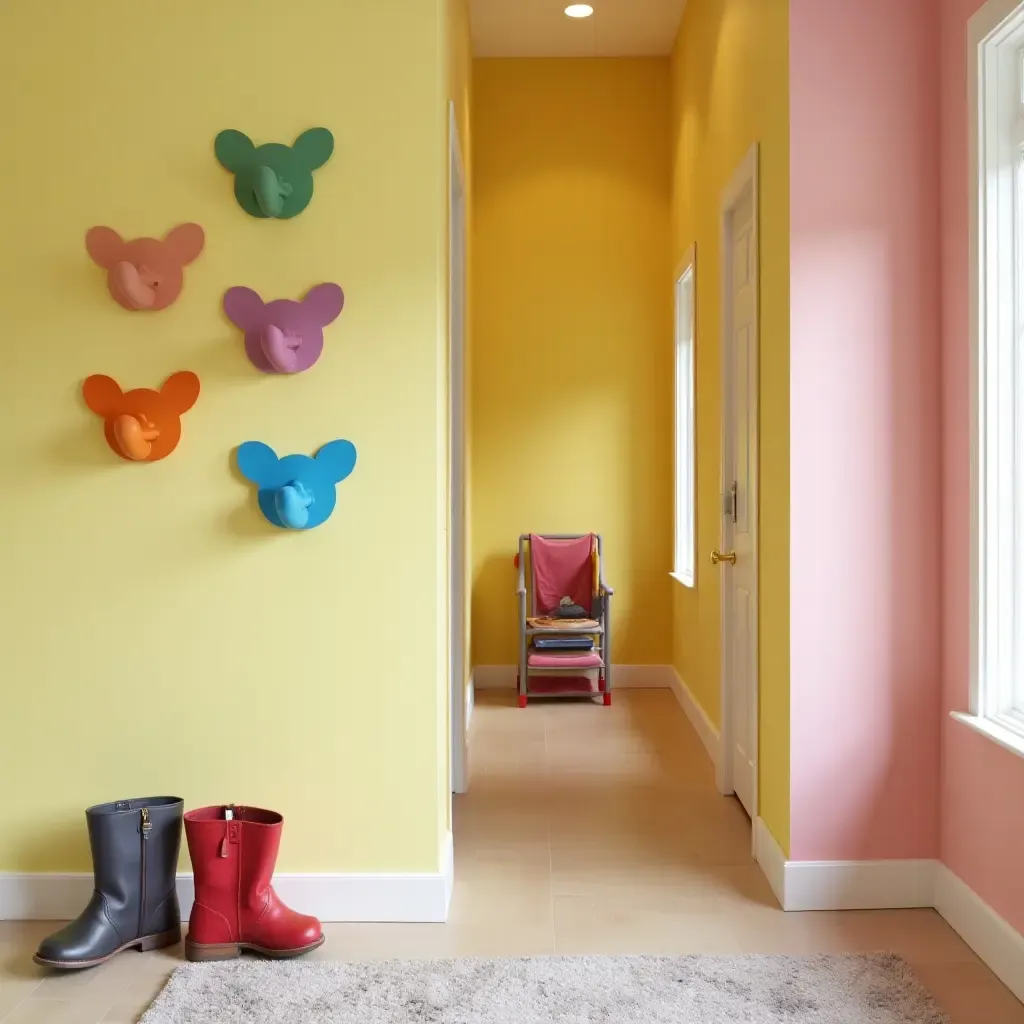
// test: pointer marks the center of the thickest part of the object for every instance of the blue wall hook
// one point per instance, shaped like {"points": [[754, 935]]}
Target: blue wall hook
{"points": [[296, 492]]}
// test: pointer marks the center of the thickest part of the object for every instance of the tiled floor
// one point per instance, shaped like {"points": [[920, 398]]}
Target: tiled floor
{"points": [[586, 830]]}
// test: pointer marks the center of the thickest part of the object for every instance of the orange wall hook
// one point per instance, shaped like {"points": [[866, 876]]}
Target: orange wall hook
{"points": [[145, 273], [142, 425]]}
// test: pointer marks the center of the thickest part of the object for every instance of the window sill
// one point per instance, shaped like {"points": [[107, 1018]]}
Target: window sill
{"points": [[687, 581], [1006, 738]]}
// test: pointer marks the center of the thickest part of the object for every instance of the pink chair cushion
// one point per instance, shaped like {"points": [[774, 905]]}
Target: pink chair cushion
{"points": [[561, 568], [564, 660]]}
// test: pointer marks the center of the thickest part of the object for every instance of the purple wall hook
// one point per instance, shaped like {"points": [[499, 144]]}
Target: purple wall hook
{"points": [[284, 336]]}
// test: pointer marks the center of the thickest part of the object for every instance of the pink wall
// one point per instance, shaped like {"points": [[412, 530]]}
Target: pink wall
{"points": [[865, 430], [982, 784]]}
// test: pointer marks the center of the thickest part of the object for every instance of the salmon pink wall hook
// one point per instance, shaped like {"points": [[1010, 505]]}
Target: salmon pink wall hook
{"points": [[145, 273], [142, 425], [284, 336]]}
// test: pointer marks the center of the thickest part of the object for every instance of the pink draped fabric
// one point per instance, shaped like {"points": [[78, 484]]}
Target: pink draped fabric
{"points": [[561, 568]]}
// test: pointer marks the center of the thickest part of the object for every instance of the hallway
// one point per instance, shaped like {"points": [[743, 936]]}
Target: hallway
{"points": [[586, 830]]}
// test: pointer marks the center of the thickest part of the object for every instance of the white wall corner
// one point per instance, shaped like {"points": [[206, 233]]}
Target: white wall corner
{"points": [[859, 885], [448, 869], [772, 860], [470, 701], [704, 727], [624, 677], [990, 936]]}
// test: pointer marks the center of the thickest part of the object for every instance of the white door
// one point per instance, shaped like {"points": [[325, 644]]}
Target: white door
{"points": [[738, 555], [457, 460]]}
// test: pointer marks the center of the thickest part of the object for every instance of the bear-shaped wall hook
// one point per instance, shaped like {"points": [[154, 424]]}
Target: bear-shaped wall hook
{"points": [[284, 336], [296, 492], [145, 273], [142, 425], [273, 180]]}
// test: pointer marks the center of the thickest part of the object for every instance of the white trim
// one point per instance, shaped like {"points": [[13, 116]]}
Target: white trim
{"points": [[988, 934], [494, 677], [702, 725], [744, 177], [771, 859], [457, 722], [470, 702], [994, 104], [1008, 739], [684, 468], [858, 885], [624, 677], [379, 898]]}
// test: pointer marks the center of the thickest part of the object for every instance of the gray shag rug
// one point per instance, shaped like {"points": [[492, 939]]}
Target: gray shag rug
{"points": [[872, 989]]}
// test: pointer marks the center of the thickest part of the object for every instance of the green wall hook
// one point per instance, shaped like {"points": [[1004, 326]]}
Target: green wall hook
{"points": [[273, 180]]}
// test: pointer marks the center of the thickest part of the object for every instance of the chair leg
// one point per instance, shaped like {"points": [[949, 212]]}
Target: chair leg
{"points": [[607, 700], [522, 700]]}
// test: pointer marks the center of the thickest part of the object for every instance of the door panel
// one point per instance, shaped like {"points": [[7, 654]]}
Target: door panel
{"points": [[739, 632]]}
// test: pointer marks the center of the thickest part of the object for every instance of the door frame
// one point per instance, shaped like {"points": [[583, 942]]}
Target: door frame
{"points": [[457, 246], [745, 177]]}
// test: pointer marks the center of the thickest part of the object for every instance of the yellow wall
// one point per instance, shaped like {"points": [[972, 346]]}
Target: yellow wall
{"points": [[730, 72], [571, 333], [156, 635]]}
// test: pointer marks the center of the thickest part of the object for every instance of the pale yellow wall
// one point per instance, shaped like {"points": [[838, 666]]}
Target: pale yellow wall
{"points": [[730, 88], [156, 636], [571, 333]]}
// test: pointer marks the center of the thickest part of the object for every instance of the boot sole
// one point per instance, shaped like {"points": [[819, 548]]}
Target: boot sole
{"points": [[143, 944], [198, 952]]}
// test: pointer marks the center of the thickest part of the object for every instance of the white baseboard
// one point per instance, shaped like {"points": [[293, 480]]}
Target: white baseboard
{"points": [[772, 860], [988, 934], [703, 726], [859, 885], [624, 677], [494, 677], [394, 898]]}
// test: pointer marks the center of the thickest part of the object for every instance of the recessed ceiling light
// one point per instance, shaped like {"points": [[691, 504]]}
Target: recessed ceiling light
{"points": [[579, 10]]}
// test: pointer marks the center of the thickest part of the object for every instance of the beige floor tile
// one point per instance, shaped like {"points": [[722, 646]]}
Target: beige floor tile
{"points": [[586, 830], [970, 994]]}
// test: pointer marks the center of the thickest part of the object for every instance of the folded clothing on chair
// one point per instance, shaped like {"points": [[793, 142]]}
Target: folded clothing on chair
{"points": [[547, 622], [564, 643]]}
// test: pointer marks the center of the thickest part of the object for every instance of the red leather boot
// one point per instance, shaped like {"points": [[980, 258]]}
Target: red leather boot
{"points": [[233, 851]]}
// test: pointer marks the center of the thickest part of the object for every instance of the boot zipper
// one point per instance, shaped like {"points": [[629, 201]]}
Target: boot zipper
{"points": [[146, 826]]}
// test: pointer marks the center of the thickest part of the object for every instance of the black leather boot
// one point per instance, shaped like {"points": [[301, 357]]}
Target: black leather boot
{"points": [[134, 861]]}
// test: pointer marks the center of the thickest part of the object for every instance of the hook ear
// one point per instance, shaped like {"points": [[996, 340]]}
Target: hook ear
{"points": [[185, 243], [102, 395], [245, 308], [181, 390], [325, 302], [256, 461], [233, 150], [314, 147], [338, 458], [104, 245]]}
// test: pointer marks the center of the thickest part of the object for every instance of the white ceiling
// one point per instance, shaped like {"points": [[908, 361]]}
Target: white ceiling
{"points": [[540, 28]]}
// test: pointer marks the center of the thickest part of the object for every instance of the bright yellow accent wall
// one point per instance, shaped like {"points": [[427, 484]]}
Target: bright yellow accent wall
{"points": [[730, 71], [156, 636], [572, 333]]}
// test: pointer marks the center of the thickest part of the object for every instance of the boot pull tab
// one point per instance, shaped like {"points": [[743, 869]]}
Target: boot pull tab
{"points": [[230, 835]]}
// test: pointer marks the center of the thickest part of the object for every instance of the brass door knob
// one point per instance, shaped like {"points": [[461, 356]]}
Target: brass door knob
{"points": [[717, 556]]}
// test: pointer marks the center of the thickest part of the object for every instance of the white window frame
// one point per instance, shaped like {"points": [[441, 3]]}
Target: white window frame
{"points": [[684, 562], [996, 255]]}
